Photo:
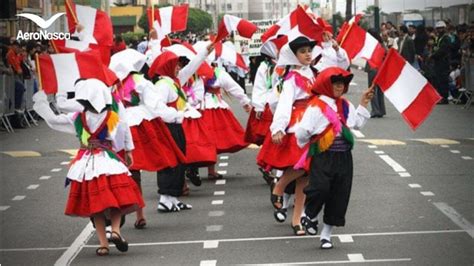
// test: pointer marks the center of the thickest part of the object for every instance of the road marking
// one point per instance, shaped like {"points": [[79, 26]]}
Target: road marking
{"points": [[65, 163], [216, 213], [208, 263], [217, 202], [379, 152], [427, 193], [19, 154], [372, 146], [222, 172], [439, 141], [396, 166], [31, 249], [330, 262], [414, 185], [404, 174], [71, 152], [353, 84], [4, 208], [17, 198], [357, 133], [466, 157], [31, 187], [356, 257], [211, 244], [444, 146], [45, 177], [219, 193], [220, 182], [346, 239], [224, 157], [223, 164], [455, 217], [54, 170], [214, 228], [70, 254], [383, 142], [454, 151]]}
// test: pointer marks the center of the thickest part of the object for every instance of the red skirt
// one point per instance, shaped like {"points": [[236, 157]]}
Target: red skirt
{"points": [[103, 193], [155, 148], [226, 130], [280, 156], [258, 129], [200, 147]]}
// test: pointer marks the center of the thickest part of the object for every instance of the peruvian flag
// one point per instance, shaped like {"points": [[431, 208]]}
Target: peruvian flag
{"points": [[227, 52], [360, 44], [73, 46], [283, 26], [59, 72], [97, 24], [168, 19], [411, 94], [230, 23]]}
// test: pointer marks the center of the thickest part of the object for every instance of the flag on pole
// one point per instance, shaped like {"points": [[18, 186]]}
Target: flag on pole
{"points": [[168, 19], [227, 52], [411, 94], [231, 23]]}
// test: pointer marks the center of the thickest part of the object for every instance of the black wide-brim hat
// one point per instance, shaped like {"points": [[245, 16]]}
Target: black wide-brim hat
{"points": [[301, 42]]}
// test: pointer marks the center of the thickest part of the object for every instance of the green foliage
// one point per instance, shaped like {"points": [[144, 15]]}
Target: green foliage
{"points": [[128, 37]]}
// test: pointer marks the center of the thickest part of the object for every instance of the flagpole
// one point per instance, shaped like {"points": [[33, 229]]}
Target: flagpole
{"points": [[346, 33], [68, 6], [38, 70]]}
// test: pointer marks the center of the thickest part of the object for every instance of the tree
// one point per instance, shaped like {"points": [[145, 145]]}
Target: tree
{"points": [[198, 20]]}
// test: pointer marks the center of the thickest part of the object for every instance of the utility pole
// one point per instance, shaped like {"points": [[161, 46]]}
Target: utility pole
{"points": [[376, 15], [333, 10]]}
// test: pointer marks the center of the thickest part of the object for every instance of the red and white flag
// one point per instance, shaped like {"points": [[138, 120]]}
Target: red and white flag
{"points": [[59, 72], [96, 23], [411, 94], [227, 52], [168, 19], [360, 44], [231, 23]]}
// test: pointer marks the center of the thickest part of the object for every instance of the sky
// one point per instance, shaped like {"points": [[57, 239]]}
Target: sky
{"points": [[389, 6]]}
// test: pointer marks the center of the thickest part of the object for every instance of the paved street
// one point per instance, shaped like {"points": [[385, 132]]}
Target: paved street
{"points": [[412, 203]]}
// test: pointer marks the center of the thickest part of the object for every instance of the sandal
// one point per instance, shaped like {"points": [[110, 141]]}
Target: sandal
{"points": [[214, 176], [163, 208], [184, 206], [280, 215], [119, 242], [140, 224], [298, 230], [326, 244], [102, 251], [275, 198], [310, 226], [193, 176]]}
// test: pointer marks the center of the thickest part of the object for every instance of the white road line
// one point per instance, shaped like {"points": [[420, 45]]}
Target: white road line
{"points": [[16, 198], [4, 208], [70, 254], [224, 157], [223, 164], [466, 157], [56, 170], [454, 151], [211, 244], [346, 239], [356, 257], [372, 146], [404, 174], [219, 193], [353, 84], [427, 193], [357, 133], [216, 213], [414, 185], [30, 249], [214, 228], [217, 202], [444, 146], [220, 182], [231, 240], [331, 262], [208, 263], [396, 167], [45, 177], [455, 217], [65, 163], [222, 172], [379, 152], [31, 187]]}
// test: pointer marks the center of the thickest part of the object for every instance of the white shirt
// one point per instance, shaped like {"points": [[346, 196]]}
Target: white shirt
{"points": [[332, 58], [226, 82]]}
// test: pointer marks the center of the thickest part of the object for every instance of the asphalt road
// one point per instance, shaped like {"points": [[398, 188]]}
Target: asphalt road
{"points": [[411, 204]]}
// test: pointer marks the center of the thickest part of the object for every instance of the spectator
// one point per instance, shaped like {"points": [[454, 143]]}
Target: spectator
{"points": [[455, 44], [412, 31], [143, 45], [387, 40], [406, 46], [14, 60], [390, 29], [377, 103], [441, 58]]}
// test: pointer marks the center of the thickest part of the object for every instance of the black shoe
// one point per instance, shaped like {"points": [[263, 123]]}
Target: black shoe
{"points": [[326, 244], [310, 226], [280, 215], [193, 176]]}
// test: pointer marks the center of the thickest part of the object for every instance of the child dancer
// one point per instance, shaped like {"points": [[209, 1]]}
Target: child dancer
{"points": [[326, 127], [101, 185]]}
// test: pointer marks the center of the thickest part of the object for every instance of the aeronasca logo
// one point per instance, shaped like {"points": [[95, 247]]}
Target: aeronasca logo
{"points": [[42, 34]]}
